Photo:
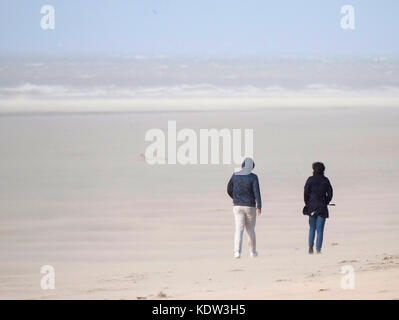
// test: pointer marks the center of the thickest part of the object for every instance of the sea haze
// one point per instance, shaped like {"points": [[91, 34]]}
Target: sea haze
{"points": [[140, 76]]}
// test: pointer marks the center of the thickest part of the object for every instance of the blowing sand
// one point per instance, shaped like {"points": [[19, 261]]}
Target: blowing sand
{"points": [[75, 194]]}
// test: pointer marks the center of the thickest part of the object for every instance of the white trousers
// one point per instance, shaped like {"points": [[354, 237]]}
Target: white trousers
{"points": [[245, 217]]}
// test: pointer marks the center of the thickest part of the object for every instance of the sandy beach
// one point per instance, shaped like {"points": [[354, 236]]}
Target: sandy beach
{"points": [[122, 123], [75, 194]]}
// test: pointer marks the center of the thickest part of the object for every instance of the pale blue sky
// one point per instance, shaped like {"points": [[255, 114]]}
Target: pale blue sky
{"points": [[183, 27]]}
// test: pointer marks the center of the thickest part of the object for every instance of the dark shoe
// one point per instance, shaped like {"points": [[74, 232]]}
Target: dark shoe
{"points": [[310, 250], [318, 251]]}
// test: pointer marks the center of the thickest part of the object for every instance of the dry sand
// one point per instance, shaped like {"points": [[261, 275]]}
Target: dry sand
{"points": [[76, 195]]}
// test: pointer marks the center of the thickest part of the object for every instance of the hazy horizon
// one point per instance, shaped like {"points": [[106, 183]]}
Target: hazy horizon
{"points": [[100, 53], [137, 76]]}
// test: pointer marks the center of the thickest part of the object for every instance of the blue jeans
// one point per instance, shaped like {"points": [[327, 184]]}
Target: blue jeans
{"points": [[316, 224]]}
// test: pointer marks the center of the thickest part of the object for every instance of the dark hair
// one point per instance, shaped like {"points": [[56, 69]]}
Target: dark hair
{"points": [[318, 168]]}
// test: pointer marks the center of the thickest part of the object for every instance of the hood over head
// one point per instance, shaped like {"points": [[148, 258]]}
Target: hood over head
{"points": [[247, 167]]}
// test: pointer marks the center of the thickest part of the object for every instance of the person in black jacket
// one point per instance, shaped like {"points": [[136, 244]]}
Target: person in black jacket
{"points": [[317, 195], [243, 188]]}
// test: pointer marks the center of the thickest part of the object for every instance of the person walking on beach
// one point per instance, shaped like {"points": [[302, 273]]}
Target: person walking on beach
{"points": [[243, 188], [318, 193]]}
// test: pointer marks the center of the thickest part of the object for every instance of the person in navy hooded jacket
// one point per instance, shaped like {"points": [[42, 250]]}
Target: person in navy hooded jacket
{"points": [[318, 193], [243, 188]]}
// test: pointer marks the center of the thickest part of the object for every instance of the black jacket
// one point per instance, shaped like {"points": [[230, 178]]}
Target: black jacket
{"points": [[317, 195], [244, 189]]}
